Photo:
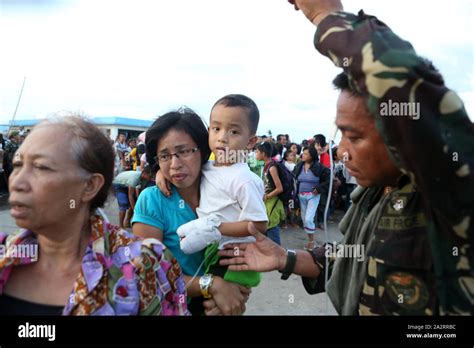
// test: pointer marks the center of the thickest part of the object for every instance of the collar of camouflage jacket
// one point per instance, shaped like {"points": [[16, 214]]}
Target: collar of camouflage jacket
{"points": [[358, 225]]}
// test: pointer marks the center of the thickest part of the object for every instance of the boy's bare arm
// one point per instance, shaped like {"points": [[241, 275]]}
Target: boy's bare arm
{"points": [[240, 228]]}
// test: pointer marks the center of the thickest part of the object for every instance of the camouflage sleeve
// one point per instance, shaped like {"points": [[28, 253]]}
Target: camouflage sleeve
{"points": [[318, 285], [424, 125]]}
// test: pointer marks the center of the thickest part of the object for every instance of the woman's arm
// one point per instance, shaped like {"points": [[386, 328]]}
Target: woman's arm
{"points": [[147, 231]]}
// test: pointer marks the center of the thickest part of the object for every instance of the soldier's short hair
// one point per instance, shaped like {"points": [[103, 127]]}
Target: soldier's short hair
{"points": [[342, 82]]}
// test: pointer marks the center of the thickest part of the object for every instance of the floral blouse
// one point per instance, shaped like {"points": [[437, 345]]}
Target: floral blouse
{"points": [[121, 274]]}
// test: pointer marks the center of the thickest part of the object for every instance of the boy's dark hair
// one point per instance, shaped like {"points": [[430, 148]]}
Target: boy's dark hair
{"points": [[240, 100], [188, 122], [266, 148], [312, 152], [320, 139]]}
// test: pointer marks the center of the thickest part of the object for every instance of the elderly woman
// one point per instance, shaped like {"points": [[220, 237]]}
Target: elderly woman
{"points": [[177, 144], [84, 265]]}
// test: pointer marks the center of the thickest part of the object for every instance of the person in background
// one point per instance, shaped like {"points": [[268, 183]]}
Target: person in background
{"points": [[141, 149], [122, 150], [277, 152], [312, 185], [322, 148], [297, 150], [127, 187], [3, 180], [134, 160], [255, 165], [2, 145], [273, 187], [10, 148], [83, 265], [289, 160], [282, 139]]}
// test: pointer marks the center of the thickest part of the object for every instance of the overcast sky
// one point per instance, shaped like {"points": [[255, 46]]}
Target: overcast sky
{"points": [[143, 58]]}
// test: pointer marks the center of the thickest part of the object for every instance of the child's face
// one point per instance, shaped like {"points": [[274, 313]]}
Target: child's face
{"points": [[258, 155], [291, 157], [229, 132]]}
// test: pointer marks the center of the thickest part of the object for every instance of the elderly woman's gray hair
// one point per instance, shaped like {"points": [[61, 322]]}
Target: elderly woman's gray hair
{"points": [[91, 150]]}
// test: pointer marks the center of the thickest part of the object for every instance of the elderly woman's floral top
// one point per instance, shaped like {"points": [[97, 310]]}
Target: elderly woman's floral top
{"points": [[121, 274]]}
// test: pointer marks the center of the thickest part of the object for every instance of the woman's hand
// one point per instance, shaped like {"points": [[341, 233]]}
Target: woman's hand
{"points": [[163, 184], [210, 306], [262, 256], [229, 298]]}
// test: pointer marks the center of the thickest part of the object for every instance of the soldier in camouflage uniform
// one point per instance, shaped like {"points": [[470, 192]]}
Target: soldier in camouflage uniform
{"points": [[413, 213]]}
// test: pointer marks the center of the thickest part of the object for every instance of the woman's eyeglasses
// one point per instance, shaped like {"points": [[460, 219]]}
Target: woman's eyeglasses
{"points": [[181, 154]]}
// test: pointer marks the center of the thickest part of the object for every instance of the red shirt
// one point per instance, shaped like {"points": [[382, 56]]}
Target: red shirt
{"points": [[324, 160]]}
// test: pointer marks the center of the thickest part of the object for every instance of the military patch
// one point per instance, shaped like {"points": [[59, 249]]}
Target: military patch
{"points": [[407, 290], [396, 206]]}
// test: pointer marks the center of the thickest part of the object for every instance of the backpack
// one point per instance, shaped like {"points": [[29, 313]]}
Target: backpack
{"points": [[288, 181]]}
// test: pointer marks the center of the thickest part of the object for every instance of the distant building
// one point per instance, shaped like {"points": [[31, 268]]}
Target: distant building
{"points": [[111, 126]]}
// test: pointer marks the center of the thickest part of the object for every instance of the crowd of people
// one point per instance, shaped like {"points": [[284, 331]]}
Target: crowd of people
{"points": [[206, 204], [8, 147]]}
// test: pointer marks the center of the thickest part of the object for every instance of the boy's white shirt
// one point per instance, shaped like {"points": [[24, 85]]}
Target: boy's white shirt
{"points": [[232, 193]]}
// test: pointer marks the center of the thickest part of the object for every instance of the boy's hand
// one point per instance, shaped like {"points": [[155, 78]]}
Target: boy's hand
{"points": [[198, 234], [317, 10], [163, 184], [262, 256]]}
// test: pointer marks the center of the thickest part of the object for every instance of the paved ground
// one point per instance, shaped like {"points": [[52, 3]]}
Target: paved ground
{"points": [[274, 296]]}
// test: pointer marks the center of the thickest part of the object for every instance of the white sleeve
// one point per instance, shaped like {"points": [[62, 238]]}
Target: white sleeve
{"points": [[250, 198]]}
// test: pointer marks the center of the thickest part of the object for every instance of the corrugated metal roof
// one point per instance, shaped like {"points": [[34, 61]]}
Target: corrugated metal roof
{"points": [[122, 121]]}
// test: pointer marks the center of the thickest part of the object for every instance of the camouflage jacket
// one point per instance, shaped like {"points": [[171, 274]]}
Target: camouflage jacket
{"points": [[420, 258]]}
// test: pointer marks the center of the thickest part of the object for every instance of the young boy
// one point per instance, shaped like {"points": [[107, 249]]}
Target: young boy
{"points": [[231, 195]]}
